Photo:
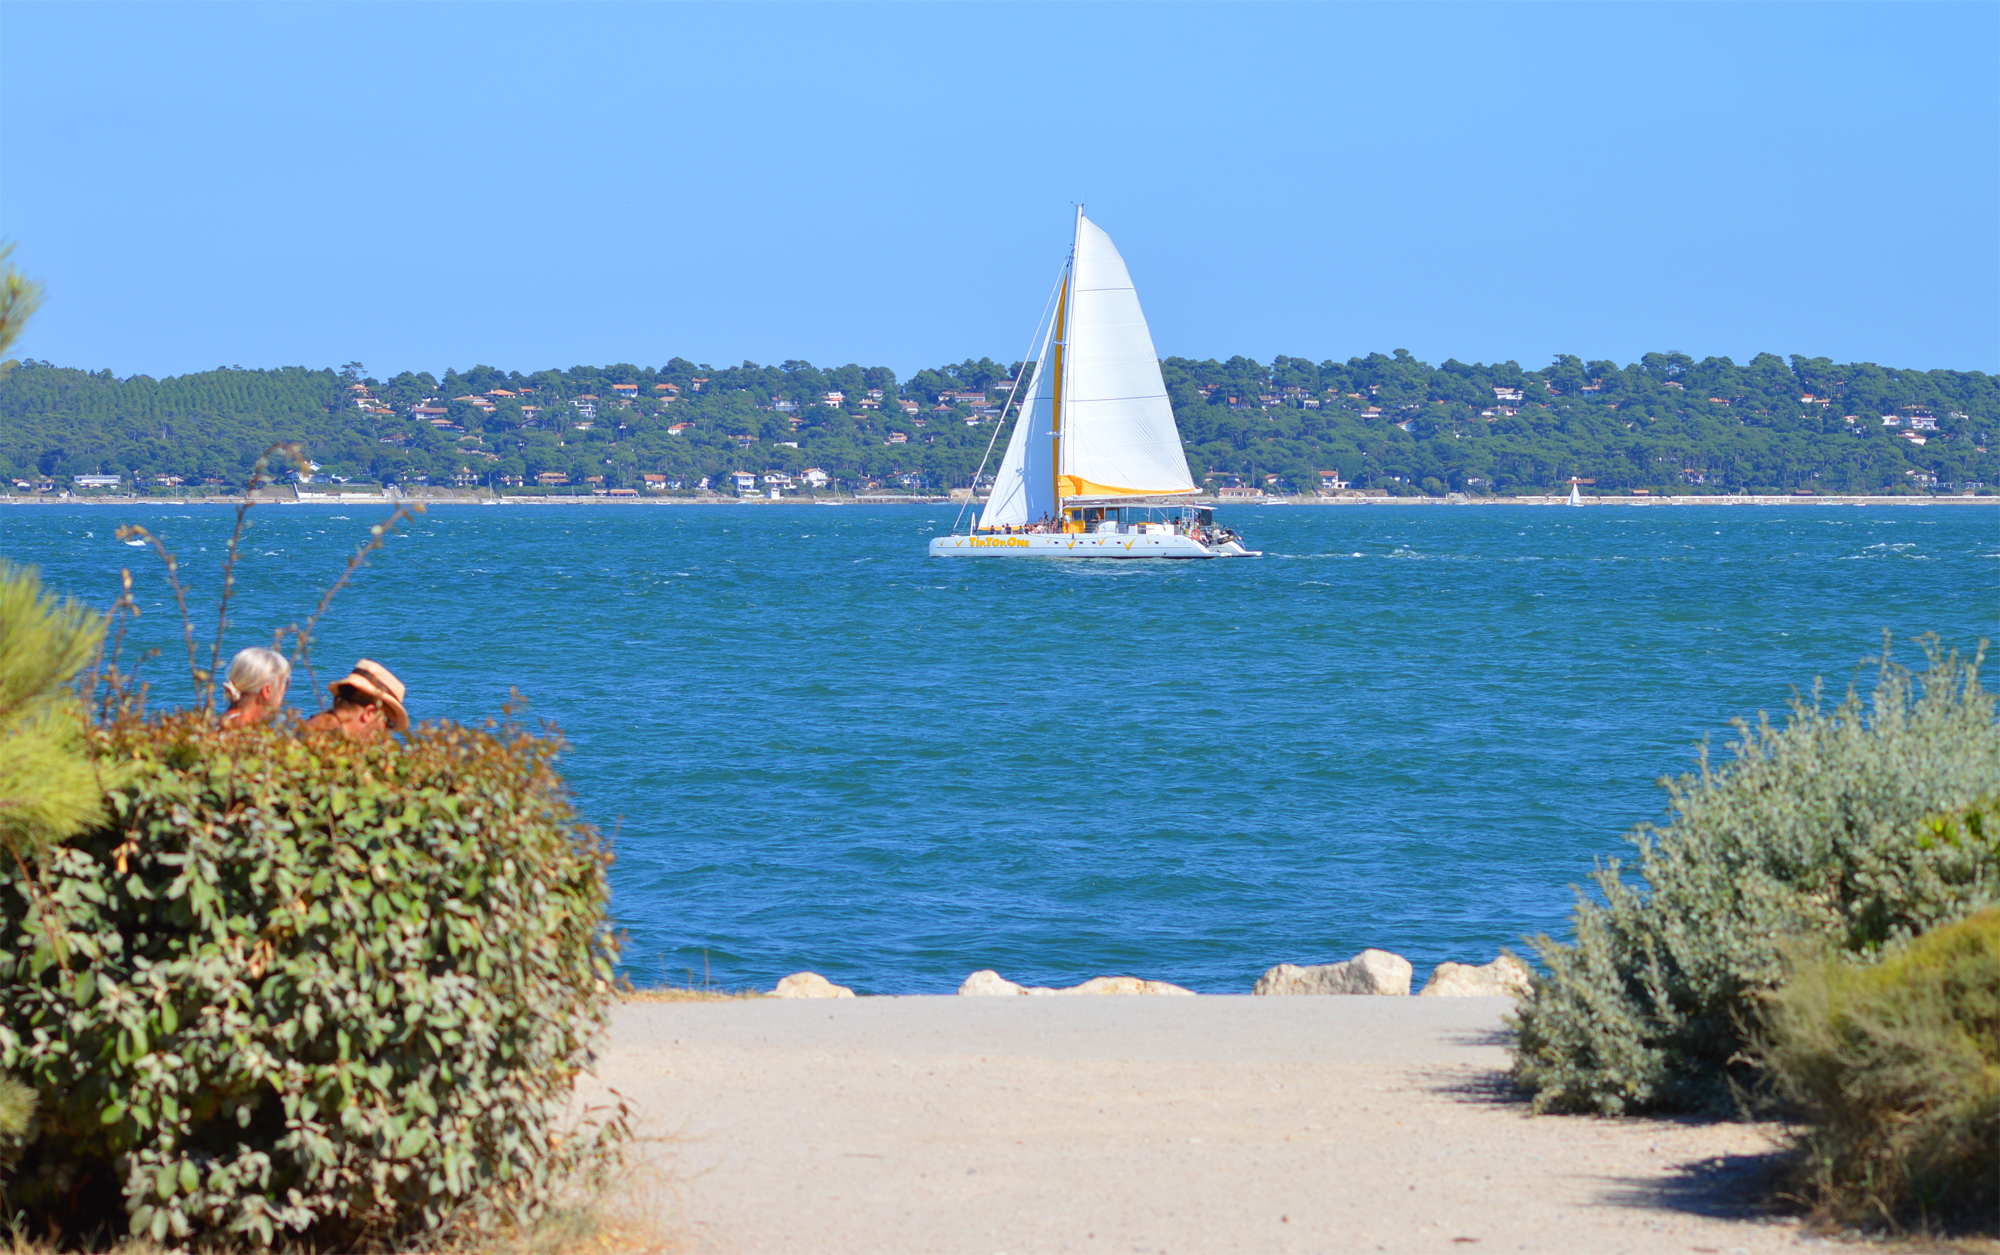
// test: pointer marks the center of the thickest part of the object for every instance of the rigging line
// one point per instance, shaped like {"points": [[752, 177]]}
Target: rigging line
{"points": [[1002, 420]]}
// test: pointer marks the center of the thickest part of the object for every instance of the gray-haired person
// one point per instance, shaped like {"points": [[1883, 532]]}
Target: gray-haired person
{"points": [[256, 685]]}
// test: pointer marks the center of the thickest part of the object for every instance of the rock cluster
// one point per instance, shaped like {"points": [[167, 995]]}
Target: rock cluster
{"points": [[989, 983], [810, 985], [1380, 972], [1370, 972], [1505, 976]]}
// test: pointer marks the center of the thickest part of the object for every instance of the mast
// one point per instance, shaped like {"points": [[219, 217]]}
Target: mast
{"points": [[1060, 395], [1056, 396]]}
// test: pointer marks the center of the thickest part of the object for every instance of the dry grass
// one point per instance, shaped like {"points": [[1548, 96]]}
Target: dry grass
{"points": [[587, 1229], [634, 1212], [690, 992], [584, 1230], [674, 994], [1908, 1243]]}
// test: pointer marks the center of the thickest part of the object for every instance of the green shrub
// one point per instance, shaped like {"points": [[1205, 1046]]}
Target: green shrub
{"points": [[300, 991], [1814, 829], [1897, 1067]]}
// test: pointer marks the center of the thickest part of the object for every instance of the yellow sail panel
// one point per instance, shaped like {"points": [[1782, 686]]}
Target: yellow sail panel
{"points": [[1077, 486]]}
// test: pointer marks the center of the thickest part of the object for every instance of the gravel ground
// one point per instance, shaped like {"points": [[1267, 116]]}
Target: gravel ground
{"points": [[1148, 1124]]}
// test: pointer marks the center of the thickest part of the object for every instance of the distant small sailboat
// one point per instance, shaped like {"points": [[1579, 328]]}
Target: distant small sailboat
{"points": [[1575, 494], [1094, 468]]}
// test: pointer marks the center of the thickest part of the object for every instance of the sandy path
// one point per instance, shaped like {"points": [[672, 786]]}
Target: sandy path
{"points": [[1147, 1124]]}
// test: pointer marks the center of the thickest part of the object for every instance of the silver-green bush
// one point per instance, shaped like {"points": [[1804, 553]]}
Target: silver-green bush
{"points": [[1814, 829]]}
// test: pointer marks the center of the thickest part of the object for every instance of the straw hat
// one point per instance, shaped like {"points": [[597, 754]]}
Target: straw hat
{"points": [[375, 681]]}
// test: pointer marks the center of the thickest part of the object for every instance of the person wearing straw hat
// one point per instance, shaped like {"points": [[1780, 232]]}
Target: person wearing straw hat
{"points": [[367, 704]]}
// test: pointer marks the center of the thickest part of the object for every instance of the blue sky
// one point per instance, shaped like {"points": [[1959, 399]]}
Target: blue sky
{"points": [[418, 187]]}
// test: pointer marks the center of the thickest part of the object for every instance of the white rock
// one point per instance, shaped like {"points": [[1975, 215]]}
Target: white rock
{"points": [[810, 985], [1370, 972], [1504, 976], [1124, 985], [989, 983]]}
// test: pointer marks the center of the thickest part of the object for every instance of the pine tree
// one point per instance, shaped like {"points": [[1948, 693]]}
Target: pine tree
{"points": [[49, 789], [19, 298]]}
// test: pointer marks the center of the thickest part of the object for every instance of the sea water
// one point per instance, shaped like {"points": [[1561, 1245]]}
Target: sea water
{"points": [[815, 747]]}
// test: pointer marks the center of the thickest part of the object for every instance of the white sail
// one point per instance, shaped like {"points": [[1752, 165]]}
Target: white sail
{"points": [[1119, 438], [1024, 488]]}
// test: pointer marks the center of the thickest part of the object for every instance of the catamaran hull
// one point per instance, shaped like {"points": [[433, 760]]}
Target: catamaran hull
{"points": [[1114, 547]]}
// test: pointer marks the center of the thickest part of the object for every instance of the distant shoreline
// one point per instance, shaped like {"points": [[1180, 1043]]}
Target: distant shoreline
{"points": [[1557, 500]]}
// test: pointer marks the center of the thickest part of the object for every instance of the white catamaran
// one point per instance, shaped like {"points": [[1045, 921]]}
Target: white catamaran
{"points": [[1094, 468]]}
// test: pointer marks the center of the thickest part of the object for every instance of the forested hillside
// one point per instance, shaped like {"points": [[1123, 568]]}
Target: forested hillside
{"points": [[1385, 422]]}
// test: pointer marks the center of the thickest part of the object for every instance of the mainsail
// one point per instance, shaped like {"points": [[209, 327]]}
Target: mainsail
{"points": [[1096, 423], [1117, 426]]}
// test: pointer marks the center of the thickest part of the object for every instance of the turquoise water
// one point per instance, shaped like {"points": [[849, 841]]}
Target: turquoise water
{"points": [[1403, 727]]}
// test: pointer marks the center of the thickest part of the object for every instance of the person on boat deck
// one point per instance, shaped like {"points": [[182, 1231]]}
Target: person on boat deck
{"points": [[255, 687], [367, 705]]}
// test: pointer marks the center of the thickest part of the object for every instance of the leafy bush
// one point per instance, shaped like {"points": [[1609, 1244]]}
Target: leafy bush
{"points": [[1897, 1066], [1814, 829], [300, 990]]}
